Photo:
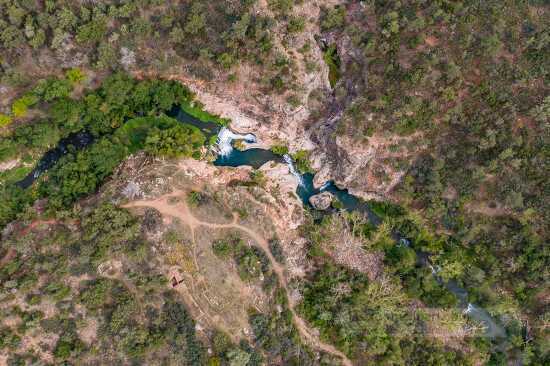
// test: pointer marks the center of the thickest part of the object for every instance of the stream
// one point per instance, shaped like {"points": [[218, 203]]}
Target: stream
{"points": [[255, 157], [76, 141], [228, 156]]}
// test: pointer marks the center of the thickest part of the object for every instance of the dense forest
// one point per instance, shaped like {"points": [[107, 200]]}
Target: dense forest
{"points": [[462, 86]]}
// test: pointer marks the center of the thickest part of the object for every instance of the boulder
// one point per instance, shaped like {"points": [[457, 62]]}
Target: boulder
{"points": [[321, 201]]}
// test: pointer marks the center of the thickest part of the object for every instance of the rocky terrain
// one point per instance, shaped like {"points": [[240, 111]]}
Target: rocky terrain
{"points": [[136, 247]]}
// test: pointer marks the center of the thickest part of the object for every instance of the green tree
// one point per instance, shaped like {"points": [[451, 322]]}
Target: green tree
{"points": [[75, 75], [4, 120], [20, 106]]}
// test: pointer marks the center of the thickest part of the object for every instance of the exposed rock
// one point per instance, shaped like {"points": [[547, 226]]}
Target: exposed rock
{"points": [[321, 201], [132, 191], [7, 165], [127, 58], [368, 169]]}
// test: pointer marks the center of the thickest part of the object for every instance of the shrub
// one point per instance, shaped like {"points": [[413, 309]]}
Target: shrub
{"points": [[52, 88], [333, 18], [296, 25], [194, 198], [279, 149], [95, 294], [333, 62], [222, 248], [179, 140], [301, 158], [75, 75], [4, 120], [8, 339], [20, 107], [276, 250]]}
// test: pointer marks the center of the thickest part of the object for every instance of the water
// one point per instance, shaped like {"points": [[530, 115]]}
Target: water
{"points": [[79, 140], [491, 328], [293, 170], [251, 157], [225, 140], [208, 128], [306, 189], [74, 141], [228, 156]]}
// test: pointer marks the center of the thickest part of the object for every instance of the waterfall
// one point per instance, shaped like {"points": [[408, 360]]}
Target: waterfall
{"points": [[226, 137], [469, 309], [324, 186], [405, 243], [435, 269], [292, 169]]}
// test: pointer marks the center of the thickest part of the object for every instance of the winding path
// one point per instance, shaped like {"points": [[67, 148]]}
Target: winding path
{"points": [[182, 212]]}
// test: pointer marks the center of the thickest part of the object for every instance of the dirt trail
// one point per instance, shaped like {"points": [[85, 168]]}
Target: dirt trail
{"points": [[182, 212]]}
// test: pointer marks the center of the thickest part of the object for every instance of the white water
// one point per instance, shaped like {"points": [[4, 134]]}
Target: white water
{"points": [[469, 309], [405, 243], [435, 269], [324, 186], [293, 170], [226, 137]]}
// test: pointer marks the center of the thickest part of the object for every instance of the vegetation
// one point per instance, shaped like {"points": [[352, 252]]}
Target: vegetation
{"points": [[467, 83], [460, 87], [301, 158], [102, 112], [332, 60], [371, 319], [251, 262], [279, 149], [135, 319]]}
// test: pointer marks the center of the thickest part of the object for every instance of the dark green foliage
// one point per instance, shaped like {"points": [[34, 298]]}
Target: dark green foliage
{"points": [[161, 136], [195, 198], [13, 200], [333, 18], [8, 339], [179, 329], [301, 158], [95, 294], [275, 334], [365, 320], [52, 89], [402, 258], [223, 248], [279, 149], [77, 175], [109, 228], [180, 140], [101, 112], [332, 60], [68, 344], [384, 209], [276, 250]]}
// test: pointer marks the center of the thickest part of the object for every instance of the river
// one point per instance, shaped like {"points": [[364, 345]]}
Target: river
{"points": [[229, 156]]}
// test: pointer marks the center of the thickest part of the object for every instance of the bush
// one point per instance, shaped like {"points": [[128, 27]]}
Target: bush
{"points": [[195, 198], [223, 248], [276, 250], [333, 18], [176, 141], [95, 294], [8, 339], [301, 158], [20, 106], [4, 120], [333, 62], [279, 149], [75, 75], [52, 88]]}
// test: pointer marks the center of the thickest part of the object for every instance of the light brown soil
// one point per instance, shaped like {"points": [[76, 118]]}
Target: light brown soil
{"points": [[181, 211]]}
